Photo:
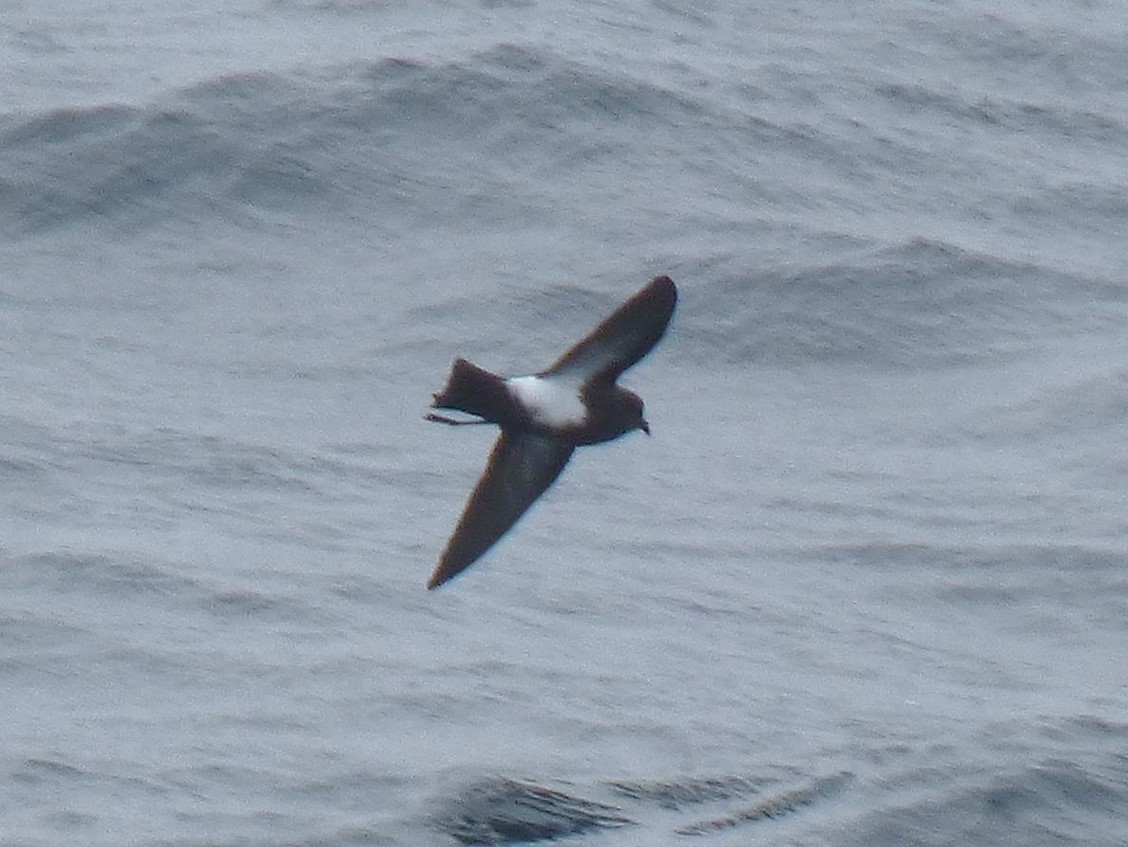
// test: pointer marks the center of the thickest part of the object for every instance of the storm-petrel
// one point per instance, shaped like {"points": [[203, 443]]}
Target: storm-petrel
{"points": [[544, 417]]}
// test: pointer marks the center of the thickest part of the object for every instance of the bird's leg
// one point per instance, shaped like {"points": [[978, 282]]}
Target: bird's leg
{"points": [[431, 416]]}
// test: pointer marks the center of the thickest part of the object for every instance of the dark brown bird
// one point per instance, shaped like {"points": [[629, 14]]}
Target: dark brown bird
{"points": [[544, 417]]}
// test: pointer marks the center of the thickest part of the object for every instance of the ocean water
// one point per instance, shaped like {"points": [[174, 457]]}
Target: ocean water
{"points": [[867, 584]]}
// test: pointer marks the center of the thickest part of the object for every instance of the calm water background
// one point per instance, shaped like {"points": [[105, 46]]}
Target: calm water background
{"points": [[866, 585]]}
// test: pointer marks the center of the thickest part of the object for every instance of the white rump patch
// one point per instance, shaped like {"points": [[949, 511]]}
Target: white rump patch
{"points": [[552, 403]]}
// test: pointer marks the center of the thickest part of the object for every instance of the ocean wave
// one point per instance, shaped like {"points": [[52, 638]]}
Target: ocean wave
{"points": [[393, 135], [85, 573], [1049, 801], [919, 303], [1080, 125], [510, 811]]}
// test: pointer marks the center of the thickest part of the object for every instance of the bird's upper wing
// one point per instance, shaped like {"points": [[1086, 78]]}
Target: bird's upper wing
{"points": [[623, 338], [521, 467]]}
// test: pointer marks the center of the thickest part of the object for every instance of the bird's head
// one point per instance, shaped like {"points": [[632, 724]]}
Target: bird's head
{"points": [[634, 402]]}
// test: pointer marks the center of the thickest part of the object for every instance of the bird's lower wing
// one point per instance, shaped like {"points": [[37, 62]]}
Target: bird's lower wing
{"points": [[520, 468]]}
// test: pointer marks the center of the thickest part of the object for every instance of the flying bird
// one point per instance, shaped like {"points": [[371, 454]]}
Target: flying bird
{"points": [[546, 416]]}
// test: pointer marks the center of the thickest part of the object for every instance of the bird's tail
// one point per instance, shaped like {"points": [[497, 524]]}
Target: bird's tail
{"points": [[475, 391]]}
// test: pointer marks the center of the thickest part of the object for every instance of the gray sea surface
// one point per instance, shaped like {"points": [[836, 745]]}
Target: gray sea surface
{"points": [[867, 584]]}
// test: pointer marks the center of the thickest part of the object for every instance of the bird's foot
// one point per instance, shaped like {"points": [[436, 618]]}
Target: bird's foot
{"points": [[431, 416]]}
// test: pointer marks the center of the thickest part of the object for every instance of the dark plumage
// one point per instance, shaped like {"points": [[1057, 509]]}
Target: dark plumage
{"points": [[544, 417]]}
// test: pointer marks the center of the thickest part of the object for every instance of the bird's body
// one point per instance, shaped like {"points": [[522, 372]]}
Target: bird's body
{"points": [[545, 416], [552, 404]]}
